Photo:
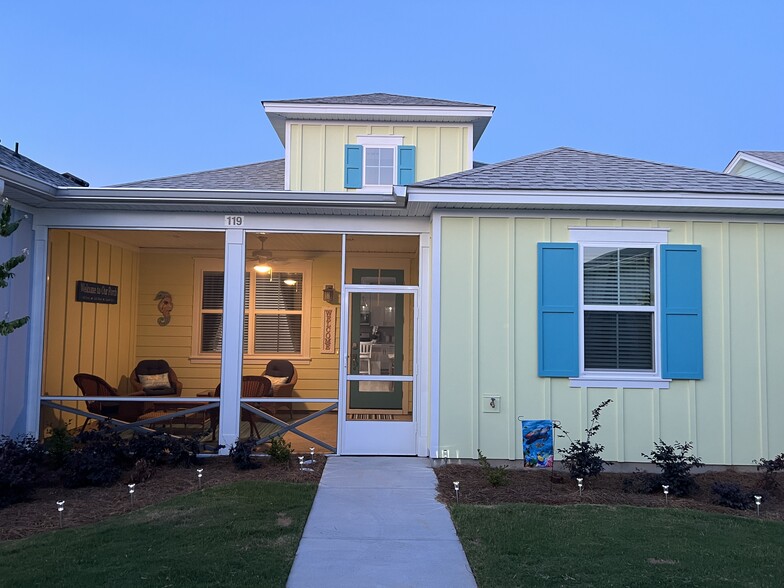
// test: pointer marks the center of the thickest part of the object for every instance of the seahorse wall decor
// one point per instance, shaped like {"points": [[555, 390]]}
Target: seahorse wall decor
{"points": [[165, 306]]}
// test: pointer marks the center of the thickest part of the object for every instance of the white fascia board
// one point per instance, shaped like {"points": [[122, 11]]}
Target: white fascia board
{"points": [[292, 110], [28, 183], [588, 200], [742, 156], [224, 197]]}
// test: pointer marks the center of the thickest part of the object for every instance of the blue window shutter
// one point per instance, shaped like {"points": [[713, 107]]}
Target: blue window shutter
{"points": [[557, 276], [353, 175], [681, 311], [406, 165]]}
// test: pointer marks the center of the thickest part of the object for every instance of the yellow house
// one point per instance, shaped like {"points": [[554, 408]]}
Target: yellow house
{"points": [[399, 299]]}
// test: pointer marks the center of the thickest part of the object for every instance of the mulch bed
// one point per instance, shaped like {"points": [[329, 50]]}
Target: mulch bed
{"points": [[540, 487], [89, 505]]}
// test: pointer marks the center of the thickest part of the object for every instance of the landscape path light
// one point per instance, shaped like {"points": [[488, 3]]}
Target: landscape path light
{"points": [[198, 475], [61, 508], [457, 491], [666, 489], [131, 490], [580, 487], [758, 501]]}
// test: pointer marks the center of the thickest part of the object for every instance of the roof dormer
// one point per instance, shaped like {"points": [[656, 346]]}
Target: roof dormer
{"points": [[370, 142]]}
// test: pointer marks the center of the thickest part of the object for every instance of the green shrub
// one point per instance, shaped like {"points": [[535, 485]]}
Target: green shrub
{"points": [[163, 449], [583, 459], [675, 466], [496, 475], [732, 496], [58, 445], [20, 461], [771, 466], [241, 454], [279, 450]]}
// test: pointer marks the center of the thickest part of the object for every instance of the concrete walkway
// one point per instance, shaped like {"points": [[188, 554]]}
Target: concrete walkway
{"points": [[376, 522]]}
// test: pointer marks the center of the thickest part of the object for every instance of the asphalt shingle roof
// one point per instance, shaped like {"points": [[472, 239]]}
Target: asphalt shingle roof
{"points": [[776, 157], [266, 175], [379, 99], [24, 165], [565, 168]]}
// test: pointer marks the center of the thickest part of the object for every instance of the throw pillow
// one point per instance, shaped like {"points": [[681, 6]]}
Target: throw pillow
{"points": [[276, 382], [154, 380]]}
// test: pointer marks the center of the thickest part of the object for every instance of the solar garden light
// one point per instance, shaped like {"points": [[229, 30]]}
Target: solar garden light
{"points": [[198, 476], [758, 501], [301, 462], [131, 490], [312, 455], [61, 508], [580, 487], [666, 489], [457, 490]]}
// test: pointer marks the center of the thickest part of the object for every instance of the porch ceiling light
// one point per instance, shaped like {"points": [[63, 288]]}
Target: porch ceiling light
{"points": [[263, 267], [290, 282]]}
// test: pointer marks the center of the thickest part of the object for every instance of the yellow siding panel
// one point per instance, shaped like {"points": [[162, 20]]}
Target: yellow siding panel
{"points": [[313, 162], [316, 151], [334, 157], [459, 402], [450, 149], [494, 320], [294, 149], [731, 415], [427, 153]]}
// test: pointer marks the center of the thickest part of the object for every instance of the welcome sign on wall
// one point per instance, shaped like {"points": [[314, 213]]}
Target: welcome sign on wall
{"points": [[94, 292]]}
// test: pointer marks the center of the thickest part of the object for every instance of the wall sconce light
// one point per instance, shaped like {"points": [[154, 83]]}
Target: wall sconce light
{"points": [[331, 296]]}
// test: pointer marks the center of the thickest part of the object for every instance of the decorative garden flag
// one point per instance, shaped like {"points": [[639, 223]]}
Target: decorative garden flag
{"points": [[538, 443]]}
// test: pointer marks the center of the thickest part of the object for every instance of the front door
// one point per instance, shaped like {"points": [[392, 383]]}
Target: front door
{"points": [[378, 409]]}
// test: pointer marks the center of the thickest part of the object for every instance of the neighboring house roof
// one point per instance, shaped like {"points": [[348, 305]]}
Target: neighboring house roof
{"points": [[24, 165], [266, 175], [776, 157], [762, 165], [570, 169], [380, 100]]}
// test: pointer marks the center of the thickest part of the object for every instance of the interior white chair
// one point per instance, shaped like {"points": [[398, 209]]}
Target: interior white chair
{"points": [[365, 353]]}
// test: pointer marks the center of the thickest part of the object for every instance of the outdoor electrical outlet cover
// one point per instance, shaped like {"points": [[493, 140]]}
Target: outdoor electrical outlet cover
{"points": [[491, 404]]}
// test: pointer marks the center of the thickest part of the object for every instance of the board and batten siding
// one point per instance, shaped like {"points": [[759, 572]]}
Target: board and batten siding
{"points": [[488, 345], [316, 151], [14, 304], [174, 273], [87, 337], [759, 172]]}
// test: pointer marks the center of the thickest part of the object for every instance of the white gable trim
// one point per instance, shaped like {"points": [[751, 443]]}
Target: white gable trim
{"points": [[742, 156]]}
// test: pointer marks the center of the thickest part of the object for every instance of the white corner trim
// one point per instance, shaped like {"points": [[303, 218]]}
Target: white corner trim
{"points": [[642, 383]]}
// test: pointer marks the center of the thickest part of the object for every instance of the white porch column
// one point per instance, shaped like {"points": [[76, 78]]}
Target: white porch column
{"points": [[35, 355], [231, 357]]}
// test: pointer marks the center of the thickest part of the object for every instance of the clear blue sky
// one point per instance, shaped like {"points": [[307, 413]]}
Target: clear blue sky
{"points": [[116, 92]]}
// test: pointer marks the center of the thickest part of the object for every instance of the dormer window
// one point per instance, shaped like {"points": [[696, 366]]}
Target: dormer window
{"points": [[378, 162], [379, 166]]}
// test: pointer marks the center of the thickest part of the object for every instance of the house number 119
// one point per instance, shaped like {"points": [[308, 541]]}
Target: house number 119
{"points": [[234, 221]]}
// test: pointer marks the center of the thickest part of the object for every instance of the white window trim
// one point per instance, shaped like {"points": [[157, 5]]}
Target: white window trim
{"points": [[212, 264], [381, 142], [620, 237]]}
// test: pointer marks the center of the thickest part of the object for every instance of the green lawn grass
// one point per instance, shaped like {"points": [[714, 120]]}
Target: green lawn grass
{"points": [[535, 545], [240, 534]]}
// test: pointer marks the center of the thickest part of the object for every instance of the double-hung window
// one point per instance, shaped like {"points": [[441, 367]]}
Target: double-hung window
{"points": [[619, 307], [619, 311], [276, 311]]}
